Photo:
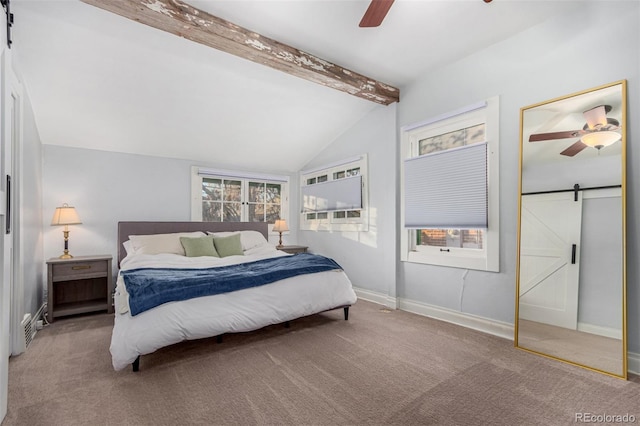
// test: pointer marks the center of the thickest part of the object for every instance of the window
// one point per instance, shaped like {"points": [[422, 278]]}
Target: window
{"points": [[334, 197], [226, 196], [450, 189]]}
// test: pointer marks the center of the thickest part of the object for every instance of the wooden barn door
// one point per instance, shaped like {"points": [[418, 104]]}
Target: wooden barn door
{"points": [[549, 258]]}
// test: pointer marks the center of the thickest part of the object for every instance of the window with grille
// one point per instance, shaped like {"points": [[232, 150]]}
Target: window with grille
{"points": [[450, 191], [225, 196], [334, 197]]}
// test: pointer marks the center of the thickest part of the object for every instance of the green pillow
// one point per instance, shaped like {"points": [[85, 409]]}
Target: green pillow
{"points": [[201, 246], [228, 246]]}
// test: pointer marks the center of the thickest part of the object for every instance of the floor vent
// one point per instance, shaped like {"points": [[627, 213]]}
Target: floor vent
{"points": [[29, 330]]}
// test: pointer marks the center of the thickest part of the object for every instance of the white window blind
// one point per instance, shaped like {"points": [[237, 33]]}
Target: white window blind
{"points": [[447, 189], [340, 194]]}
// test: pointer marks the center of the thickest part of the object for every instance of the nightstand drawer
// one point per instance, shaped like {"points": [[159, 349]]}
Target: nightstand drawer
{"points": [[79, 270]]}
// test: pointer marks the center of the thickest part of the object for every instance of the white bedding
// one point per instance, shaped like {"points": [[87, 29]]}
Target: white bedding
{"points": [[238, 311]]}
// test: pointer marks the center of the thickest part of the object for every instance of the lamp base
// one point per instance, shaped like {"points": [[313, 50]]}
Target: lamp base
{"points": [[65, 254]]}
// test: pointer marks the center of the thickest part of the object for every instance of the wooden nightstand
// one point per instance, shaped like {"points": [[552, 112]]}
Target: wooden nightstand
{"points": [[79, 285], [293, 249]]}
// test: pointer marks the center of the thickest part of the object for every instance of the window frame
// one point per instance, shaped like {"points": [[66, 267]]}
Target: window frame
{"points": [[245, 178], [332, 223], [488, 258]]}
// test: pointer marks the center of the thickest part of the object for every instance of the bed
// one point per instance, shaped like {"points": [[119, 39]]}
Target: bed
{"points": [[147, 252]]}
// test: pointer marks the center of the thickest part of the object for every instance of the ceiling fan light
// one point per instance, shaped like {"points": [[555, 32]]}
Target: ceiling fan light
{"points": [[600, 140]]}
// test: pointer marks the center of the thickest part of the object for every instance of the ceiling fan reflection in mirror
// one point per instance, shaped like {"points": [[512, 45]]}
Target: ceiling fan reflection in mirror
{"points": [[599, 132], [377, 11]]}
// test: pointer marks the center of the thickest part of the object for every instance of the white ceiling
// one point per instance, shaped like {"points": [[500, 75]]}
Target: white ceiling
{"points": [[100, 81]]}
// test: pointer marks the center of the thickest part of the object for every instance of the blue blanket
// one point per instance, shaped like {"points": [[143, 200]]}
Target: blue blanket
{"points": [[150, 287]]}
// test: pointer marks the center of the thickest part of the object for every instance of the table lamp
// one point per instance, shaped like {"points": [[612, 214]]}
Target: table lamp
{"points": [[280, 227], [65, 215]]}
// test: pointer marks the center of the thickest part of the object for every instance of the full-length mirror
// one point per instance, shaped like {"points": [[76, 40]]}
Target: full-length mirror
{"points": [[571, 281]]}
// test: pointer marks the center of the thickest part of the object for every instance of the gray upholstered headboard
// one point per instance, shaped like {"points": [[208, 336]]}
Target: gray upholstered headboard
{"points": [[147, 228]]}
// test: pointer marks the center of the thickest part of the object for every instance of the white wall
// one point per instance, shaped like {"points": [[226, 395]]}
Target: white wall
{"points": [[589, 173], [601, 263], [107, 187], [369, 258], [31, 213], [594, 45]]}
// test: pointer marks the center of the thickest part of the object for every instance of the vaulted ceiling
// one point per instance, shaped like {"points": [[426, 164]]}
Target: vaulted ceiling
{"points": [[101, 81]]}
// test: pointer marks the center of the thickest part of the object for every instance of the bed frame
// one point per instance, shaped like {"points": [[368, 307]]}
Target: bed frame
{"points": [[148, 228]]}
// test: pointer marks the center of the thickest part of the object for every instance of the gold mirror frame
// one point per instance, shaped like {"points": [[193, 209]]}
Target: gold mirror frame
{"points": [[568, 175]]}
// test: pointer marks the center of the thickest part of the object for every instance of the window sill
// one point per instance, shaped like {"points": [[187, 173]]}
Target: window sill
{"points": [[479, 263], [335, 227]]}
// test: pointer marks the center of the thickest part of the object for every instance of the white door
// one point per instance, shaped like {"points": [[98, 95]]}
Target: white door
{"points": [[6, 240], [549, 258]]}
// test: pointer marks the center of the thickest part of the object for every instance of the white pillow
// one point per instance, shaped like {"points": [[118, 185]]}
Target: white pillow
{"points": [[161, 243], [128, 247], [248, 239]]}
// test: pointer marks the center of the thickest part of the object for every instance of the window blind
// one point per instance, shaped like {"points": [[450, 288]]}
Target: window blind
{"points": [[447, 189], [340, 194]]}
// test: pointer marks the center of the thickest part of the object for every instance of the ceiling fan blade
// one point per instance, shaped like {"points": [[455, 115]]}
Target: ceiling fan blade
{"points": [[540, 137], [375, 13], [597, 116], [574, 149]]}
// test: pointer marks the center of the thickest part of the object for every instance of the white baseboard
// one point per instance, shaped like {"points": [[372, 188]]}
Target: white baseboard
{"points": [[600, 331], [38, 316], [633, 362], [485, 325], [376, 297], [39, 313]]}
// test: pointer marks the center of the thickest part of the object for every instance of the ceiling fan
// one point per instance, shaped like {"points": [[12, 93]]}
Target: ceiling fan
{"points": [[599, 132], [377, 10]]}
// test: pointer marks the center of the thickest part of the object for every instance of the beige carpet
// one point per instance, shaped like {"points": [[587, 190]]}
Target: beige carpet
{"points": [[379, 367]]}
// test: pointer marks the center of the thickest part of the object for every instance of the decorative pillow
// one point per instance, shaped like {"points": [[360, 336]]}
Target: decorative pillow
{"points": [[248, 239], [201, 246], [228, 246], [161, 243]]}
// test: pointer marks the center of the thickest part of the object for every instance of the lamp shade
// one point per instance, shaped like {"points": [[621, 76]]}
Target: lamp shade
{"points": [[280, 226], [65, 215], [600, 139]]}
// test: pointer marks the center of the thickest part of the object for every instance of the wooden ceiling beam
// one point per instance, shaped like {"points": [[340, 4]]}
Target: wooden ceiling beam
{"points": [[186, 21]]}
